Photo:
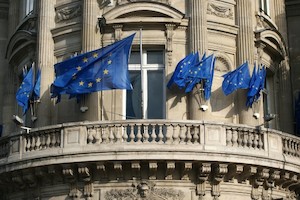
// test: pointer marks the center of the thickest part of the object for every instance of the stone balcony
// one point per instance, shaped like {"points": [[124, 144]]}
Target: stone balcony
{"points": [[193, 151]]}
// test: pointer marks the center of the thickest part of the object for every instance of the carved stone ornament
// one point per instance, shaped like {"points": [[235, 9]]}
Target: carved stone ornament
{"points": [[67, 13], [120, 2], [219, 11], [145, 191]]}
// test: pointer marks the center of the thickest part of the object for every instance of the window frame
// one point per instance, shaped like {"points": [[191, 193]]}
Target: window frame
{"points": [[144, 74]]}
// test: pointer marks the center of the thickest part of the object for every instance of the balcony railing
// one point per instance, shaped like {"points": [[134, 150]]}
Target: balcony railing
{"points": [[199, 136]]}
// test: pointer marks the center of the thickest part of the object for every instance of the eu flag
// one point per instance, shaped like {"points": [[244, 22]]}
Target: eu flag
{"points": [[101, 69], [37, 86], [208, 82], [181, 71], [24, 93], [256, 85], [237, 79], [202, 70]]}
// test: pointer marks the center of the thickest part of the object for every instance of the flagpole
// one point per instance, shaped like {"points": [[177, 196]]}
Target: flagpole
{"points": [[142, 76]]}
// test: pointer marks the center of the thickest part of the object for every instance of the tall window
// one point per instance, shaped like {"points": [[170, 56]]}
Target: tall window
{"points": [[264, 6], [27, 7], [269, 101], [147, 98]]}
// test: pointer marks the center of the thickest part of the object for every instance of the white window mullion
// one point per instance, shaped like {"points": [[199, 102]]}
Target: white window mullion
{"points": [[145, 94]]}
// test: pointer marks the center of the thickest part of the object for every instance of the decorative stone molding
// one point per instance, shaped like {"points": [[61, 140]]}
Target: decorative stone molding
{"points": [[118, 31], [222, 63], [219, 11], [67, 13], [121, 2], [146, 191]]}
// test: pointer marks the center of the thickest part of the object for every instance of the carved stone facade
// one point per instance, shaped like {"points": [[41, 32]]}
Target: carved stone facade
{"points": [[91, 151]]}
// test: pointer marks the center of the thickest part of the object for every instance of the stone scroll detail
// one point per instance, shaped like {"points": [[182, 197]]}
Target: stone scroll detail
{"points": [[145, 191], [219, 11], [67, 13]]}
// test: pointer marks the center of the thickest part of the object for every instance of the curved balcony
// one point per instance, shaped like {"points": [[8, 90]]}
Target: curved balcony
{"points": [[150, 140], [184, 159]]}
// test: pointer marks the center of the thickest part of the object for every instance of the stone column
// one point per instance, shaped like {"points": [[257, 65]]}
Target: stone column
{"points": [[198, 38], [285, 88], [45, 60], [90, 42], [9, 20], [245, 52]]}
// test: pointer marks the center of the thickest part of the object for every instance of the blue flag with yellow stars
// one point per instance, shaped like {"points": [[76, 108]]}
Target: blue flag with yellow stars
{"points": [[256, 85], [25, 91], [181, 70], [237, 79], [101, 69]]}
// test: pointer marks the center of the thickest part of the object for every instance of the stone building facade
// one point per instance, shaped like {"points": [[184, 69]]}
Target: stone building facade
{"points": [[151, 143]]}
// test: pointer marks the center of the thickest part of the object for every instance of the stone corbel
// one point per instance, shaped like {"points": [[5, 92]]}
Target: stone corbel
{"points": [[218, 173], [204, 173], [118, 168], [102, 170], [245, 172], [258, 180], [170, 170], [169, 36], [118, 31], [136, 170], [69, 173], [153, 170], [74, 191], [187, 167], [88, 190], [84, 173]]}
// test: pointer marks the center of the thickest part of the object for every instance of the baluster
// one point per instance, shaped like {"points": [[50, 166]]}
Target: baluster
{"points": [[182, 135], [43, 141], [239, 141], [188, 135], [160, 134], [293, 147], [139, 135], [146, 133], [245, 138], [284, 145], [32, 147], [58, 138], [168, 134], [260, 141], [175, 134], [53, 140], [28, 145], [48, 140], [152, 135], [98, 138], [124, 131], [90, 138], [255, 140], [250, 139], [118, 134], [196, 135], [38, 141], [104, 131], [131, 135], [228, 136], [111, 134], [234, 137], [298, 149]]}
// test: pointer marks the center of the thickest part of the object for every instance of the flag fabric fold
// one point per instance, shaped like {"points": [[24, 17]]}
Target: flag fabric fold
{"points": [[29, 89], [256, 85], [101, 69], [190, 71], [237, 79]]}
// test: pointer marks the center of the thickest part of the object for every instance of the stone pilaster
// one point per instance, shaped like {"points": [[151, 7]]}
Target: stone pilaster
{"points": [[6, 83], [14, 10], [45, 60], [198, 38], [89, 43], [245, 52], [286, 117]]}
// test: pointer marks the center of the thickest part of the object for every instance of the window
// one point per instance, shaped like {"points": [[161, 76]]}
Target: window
{"points": [[26, 8], [269, 102], [264, 6], [146, 100]]}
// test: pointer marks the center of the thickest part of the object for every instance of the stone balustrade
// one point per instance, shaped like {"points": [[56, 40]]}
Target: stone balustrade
{"points": [[192, 137]]}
